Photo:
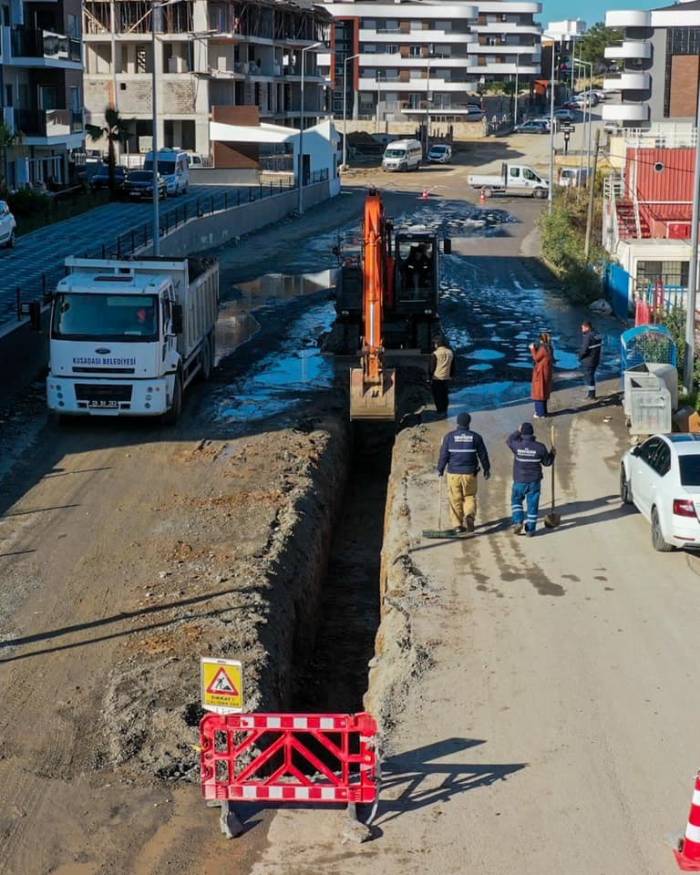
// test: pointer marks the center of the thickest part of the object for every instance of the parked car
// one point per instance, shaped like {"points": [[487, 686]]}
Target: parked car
{"points": [[533, 126], [600, 93], [565, 115], [100, 178], [139, 184], [440, 154], [8, 226], [587, 98], [661, 477]]}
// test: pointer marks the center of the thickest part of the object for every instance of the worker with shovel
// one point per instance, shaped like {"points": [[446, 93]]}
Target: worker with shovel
{"points": [[463, 452], [530, 455]]}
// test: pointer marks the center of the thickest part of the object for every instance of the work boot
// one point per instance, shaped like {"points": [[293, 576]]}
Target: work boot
{"points": [[460, 530], [518, 529], [470, 523], [530, 532]]}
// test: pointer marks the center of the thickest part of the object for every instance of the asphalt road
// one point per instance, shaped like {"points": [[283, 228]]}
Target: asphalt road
{"points": [[43, 251]]}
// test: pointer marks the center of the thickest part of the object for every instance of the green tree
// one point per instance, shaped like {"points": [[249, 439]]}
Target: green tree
{"points": [[8, 139], [591, 47], [115, 130]]}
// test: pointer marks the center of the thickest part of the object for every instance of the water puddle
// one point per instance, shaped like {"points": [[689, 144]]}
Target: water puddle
{"points": [[286, 377]]}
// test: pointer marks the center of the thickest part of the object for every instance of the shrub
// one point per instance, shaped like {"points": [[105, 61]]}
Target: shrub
{"points": [[25, 203]]}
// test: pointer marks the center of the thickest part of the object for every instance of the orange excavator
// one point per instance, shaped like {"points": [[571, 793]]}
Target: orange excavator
{"points": [[372, 385]]}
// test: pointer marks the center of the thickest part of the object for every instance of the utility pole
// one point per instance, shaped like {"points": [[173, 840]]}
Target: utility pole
{"points": [[550, 194], [693, 266], [300, 181], [345, 107], [591, 197], [155, 8]]}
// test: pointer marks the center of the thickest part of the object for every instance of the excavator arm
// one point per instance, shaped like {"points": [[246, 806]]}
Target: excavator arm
{"points": [[372, 386]]}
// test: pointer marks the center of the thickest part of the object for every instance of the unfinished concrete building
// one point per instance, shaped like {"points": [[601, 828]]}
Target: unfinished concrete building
{"points": [[209, 53]]}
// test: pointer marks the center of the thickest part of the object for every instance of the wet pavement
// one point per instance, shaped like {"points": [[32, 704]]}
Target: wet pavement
{"points": [[492, 308]]}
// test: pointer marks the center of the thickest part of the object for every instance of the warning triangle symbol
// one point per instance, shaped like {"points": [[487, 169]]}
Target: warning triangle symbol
{"points": [[222, 684]]}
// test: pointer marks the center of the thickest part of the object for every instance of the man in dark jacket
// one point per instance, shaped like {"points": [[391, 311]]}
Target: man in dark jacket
{"points": [[589, 356], [462, 451], [530, 456]]}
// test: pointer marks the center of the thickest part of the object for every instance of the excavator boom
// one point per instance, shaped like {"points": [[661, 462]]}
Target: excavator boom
{"points": [[372, 386]]}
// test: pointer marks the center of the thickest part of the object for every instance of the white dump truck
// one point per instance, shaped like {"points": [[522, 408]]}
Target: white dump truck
{"points": [[128, 337], [513, 179]]}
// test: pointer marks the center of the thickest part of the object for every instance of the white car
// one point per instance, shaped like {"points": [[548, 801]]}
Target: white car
{"points": [[661, 477], [8, 226], [439, 154]]}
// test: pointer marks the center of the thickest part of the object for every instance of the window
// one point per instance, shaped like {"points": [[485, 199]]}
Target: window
{"points": [[670, 273], [528, 174], [662, 460], [514, 172], [648, 451], [74, 26], [6, 16], [690, 470], [8, 95], [141, 59], [76, 103]]}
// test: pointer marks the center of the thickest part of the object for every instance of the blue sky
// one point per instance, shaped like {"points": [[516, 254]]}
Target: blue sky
{"points": [[592, 11]]}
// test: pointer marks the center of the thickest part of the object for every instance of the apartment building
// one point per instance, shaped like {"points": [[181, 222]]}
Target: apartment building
{"points": [[208, 53], [409, 58], [658, 60], [41, 96]]}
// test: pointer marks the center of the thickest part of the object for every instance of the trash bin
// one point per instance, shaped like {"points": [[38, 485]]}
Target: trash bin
{"points": [[635, 379], [649, 409]]}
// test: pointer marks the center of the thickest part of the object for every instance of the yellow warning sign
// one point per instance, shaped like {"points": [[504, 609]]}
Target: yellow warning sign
{"points": [[222, 685]]}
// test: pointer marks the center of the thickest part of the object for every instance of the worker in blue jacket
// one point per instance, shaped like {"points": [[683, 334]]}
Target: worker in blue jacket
{"points": [[589, 355], [463, 452], [530, 455]]}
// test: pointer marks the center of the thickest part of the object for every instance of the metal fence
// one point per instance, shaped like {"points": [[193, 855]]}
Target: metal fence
{"points": [[127, 244]]}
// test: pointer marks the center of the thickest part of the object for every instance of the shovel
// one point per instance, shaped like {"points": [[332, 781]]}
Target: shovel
{"points": [[440, 532], [552, 520]]}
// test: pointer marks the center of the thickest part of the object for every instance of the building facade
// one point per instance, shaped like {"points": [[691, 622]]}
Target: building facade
{"points": [[208, 53], [406, 59], [658, 62], [41, 91]]}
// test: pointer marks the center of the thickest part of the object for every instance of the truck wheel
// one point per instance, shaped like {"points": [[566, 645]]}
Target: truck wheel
{"points": [[206, 360], [539, 193], [487, 192], [172, 416]]}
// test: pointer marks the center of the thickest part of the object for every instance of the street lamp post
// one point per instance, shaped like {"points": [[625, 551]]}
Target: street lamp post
{"points": [[345, 107], [300, 181], [154, 137], [515, 108], [550, 192]]}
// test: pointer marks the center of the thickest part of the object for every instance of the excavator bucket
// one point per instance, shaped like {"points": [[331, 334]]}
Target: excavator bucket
{"points": [[368, 401]]}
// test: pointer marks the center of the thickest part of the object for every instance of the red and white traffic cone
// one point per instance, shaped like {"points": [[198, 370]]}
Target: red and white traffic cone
{"points": [[482, 196], [688, 853]]}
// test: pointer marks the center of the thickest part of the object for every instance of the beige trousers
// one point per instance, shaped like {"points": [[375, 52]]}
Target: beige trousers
{"points": [[462, 496]]}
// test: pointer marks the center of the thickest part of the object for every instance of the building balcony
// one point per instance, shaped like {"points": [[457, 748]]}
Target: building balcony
{"points": [[506, 49], [629, 50], [426, 85], [501, 7], [395, 60], [625, 112], [505, 68], [421, 11], [40, 127], [43, 48], [628, 18], [627, 82], [417, 36], [507, 27]]}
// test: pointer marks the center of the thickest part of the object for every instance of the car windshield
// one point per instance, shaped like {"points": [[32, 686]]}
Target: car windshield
{"points": [[438, 150], [141, 176], [164, 167], [105, 317], [690, 470], [394, 153]]}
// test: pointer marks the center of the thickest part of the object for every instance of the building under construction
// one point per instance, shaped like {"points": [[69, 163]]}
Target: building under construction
{"points": [[208, 53]]}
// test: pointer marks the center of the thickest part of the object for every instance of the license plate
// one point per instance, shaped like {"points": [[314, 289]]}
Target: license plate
{"points": [[101, 405]]}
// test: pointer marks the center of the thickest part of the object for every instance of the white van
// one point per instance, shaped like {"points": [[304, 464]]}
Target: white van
{"points": [[174, 167], [573, 177], [402, 155]]}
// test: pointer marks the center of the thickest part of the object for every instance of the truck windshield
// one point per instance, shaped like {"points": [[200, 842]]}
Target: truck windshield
{"points": [[105, 317], [395, 153]]}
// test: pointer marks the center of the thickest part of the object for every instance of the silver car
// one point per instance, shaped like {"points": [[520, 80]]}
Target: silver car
{"points": [[8, 226]]}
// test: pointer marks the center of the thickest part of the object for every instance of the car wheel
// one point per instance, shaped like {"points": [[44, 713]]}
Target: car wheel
{"points": [[657, 536], [12, 242], [539, 193], [625, 487]]}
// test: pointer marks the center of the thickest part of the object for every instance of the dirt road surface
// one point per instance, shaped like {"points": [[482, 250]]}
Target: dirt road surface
{"points": [[534, 697]]}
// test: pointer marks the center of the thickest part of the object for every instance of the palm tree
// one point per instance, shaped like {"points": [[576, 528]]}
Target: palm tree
{"points": [[116, 131], [8, 138]]}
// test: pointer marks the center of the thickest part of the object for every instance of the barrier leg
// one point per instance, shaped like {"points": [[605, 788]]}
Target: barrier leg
{"points": [[230, 825]]}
